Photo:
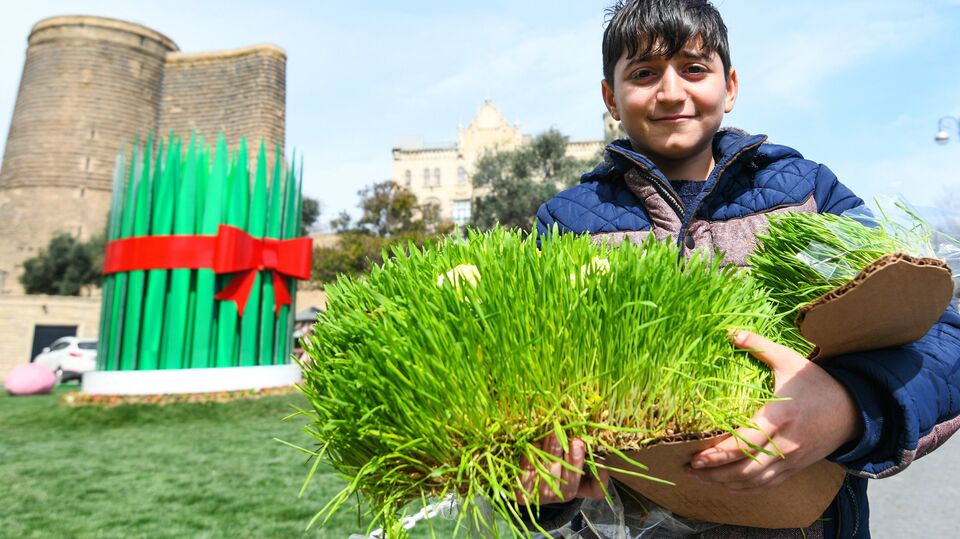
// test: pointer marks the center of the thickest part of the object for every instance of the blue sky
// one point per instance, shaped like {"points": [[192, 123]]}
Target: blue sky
{"points": [[857, 85]]}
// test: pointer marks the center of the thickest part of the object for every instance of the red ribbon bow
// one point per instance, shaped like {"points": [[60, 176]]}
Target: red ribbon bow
{"points": [[231, 251]]}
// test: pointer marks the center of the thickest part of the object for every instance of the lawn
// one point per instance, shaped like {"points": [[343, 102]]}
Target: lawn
{"points": [[184, 470]]}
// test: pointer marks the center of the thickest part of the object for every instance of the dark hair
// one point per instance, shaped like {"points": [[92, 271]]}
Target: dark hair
{"points": [[662, 27]]}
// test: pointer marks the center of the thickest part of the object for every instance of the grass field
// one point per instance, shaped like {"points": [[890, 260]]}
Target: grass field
{"points": [[185, 470]]}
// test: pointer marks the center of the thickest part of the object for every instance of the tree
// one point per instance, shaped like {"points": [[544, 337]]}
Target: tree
{"points": [[390, 216], [309, 214], [64, 266], [388, 210], [516, 182]]}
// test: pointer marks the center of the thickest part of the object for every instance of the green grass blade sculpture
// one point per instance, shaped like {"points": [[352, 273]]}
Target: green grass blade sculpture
{"points": [[182, 309]]}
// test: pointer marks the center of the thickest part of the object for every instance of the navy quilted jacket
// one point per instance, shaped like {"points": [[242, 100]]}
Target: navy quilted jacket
{"points": [[909, 395]]}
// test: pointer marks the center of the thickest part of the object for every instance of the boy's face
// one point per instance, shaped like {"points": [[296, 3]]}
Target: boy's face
{"points": [[671, 107]]}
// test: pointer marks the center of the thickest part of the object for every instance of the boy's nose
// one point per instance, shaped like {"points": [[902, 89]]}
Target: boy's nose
{"points": [[671, 87]]}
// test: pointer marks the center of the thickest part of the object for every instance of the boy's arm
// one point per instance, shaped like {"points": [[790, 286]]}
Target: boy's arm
{"points": [[905, 400], [909, 395]]}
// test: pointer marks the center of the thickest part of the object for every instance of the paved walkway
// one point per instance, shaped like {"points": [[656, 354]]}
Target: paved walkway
{"points": [[923, 501]]}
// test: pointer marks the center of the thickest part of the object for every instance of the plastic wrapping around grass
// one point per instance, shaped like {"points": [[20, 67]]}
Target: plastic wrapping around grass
{"points": [[803, 256], [436, 373]]}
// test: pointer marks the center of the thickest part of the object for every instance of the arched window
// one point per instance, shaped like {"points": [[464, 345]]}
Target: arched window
{"points": [[426, 176], [436, 176], [461, 175], [407, 178]]}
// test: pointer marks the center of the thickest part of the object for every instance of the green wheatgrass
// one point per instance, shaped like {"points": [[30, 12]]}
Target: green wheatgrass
{"points": [[419, 390], [803, 256]]}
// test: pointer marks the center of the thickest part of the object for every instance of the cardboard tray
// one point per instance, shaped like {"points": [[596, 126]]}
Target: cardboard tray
{"points": [[795, 503], [893, 301]]}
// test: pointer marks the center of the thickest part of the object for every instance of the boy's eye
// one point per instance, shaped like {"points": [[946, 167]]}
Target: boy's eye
{"points": [[697, 69], [641, 74]]}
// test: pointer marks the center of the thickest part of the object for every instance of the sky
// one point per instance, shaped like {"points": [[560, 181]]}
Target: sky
{"points": [[856, 85]]}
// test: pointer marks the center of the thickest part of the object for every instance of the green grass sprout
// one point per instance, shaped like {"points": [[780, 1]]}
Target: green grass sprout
{"points": [[439, 371], [803, 256]]}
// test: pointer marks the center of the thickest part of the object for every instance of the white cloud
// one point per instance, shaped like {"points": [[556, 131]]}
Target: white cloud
{"points": [[818, 44], [561, 58]]}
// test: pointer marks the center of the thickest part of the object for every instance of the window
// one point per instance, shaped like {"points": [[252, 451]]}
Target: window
{"points": [[408, 178], [431, 209], [436, 176], [426, 176], [461, 175], [461, 212]]}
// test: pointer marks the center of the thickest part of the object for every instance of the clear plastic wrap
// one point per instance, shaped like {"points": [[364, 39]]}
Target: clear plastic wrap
{"points": [[626, 515], [630, 516], [892, 226]]}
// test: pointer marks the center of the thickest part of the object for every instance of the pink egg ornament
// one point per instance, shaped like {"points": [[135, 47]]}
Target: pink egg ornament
{"points": [[30, 379]]}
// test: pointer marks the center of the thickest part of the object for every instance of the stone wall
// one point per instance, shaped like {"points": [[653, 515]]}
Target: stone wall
{"points": [[240, 93], [89, 85], [21, 315]]}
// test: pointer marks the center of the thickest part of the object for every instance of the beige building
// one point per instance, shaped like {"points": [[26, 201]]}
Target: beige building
{"points": [[89, 86], [440, 174]]}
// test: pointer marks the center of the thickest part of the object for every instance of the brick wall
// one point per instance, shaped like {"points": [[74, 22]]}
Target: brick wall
{"points": [[89, 85], [240, 93]]}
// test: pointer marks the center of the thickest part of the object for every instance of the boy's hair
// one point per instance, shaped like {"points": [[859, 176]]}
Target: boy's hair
{"points": [[663, 28]]}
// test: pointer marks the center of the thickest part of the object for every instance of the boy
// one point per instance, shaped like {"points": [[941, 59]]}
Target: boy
{"points": [[668, 79]]}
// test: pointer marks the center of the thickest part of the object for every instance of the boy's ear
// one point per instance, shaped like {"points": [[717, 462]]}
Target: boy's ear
{"points": [[609, 99], [733, 86]]}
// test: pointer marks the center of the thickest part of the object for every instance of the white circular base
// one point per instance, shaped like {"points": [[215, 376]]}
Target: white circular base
{"points": [[162, 382]]}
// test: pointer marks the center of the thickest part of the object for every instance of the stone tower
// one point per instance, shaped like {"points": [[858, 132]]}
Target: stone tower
{"points": [[92, 84]]}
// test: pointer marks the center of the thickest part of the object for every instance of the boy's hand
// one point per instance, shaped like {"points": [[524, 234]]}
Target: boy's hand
{"points": [[572, 484], [820, 417]]}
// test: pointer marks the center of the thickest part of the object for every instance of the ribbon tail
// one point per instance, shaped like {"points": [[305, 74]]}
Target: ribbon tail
{"points": [[281, 294], [238, 289]]}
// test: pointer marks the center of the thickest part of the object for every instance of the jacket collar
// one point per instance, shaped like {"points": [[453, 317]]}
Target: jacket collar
{"points": [[619, 156]]}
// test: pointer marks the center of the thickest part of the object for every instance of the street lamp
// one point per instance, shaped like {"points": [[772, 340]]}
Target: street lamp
{"points": [[942, 136]]}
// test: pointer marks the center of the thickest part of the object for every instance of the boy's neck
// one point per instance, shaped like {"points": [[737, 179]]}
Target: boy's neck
{"points": [[697, 167]]}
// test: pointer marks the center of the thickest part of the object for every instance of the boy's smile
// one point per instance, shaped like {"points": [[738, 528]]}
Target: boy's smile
{"points": [[671, 107]]}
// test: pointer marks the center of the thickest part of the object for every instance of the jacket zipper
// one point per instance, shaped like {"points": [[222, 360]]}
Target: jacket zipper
{"points": [[856, 509], [717, 175], [664, 191]]}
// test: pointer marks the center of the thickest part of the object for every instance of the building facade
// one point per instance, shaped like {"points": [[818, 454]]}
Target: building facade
{"points": [[440, 175]]}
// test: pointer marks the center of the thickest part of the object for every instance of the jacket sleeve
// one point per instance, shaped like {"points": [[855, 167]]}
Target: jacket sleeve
{"points": [[831, 195], [544, 222], [909, 395]]}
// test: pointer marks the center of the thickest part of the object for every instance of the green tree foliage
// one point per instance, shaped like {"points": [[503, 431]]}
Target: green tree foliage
{"points": [[64, 266], [390, 216], [309, 215], [514, 183]]}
